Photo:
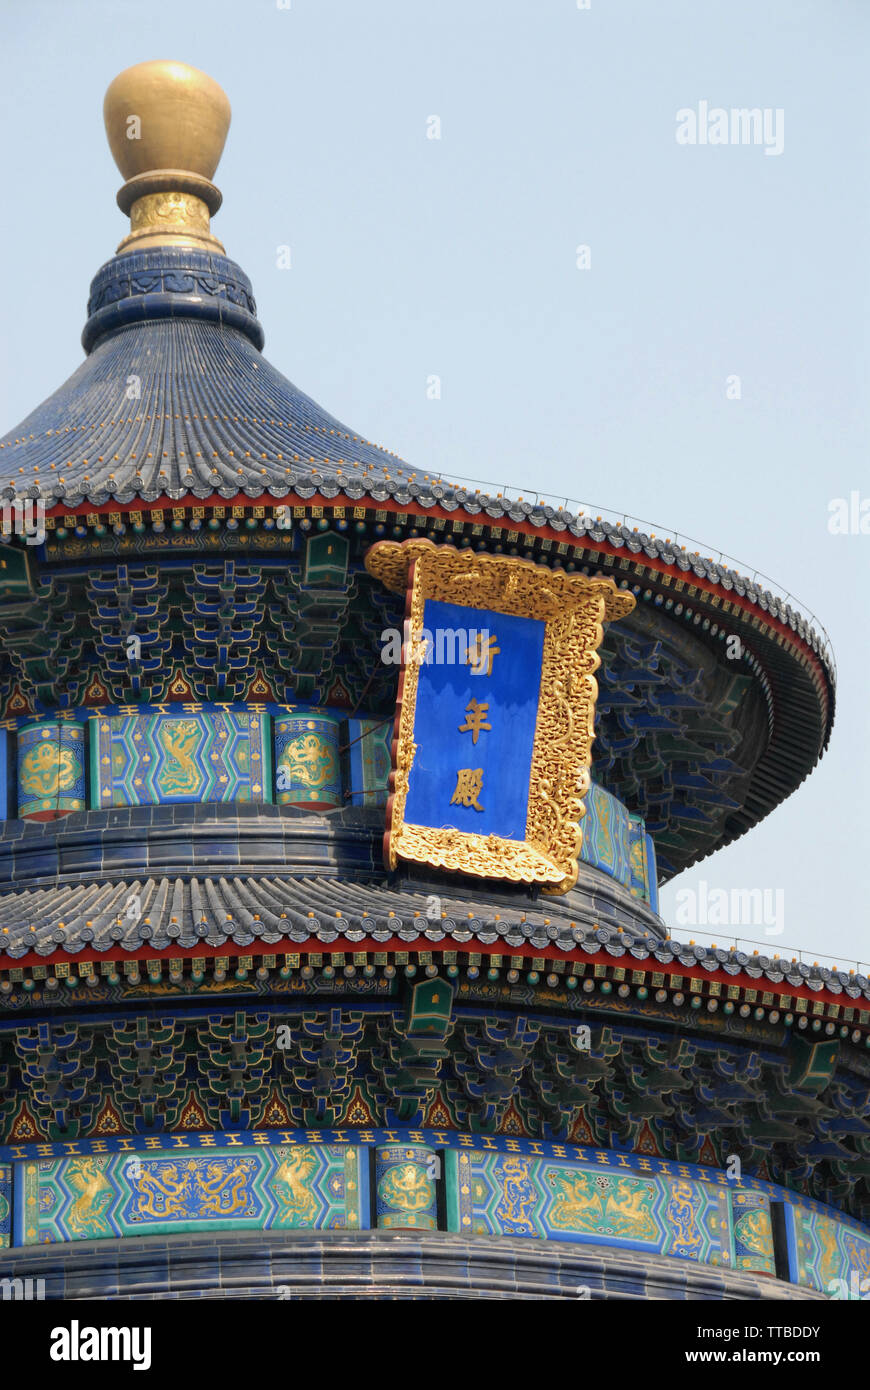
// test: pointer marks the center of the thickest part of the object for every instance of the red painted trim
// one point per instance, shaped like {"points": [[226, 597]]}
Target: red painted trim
{"points": [[395, 945]]}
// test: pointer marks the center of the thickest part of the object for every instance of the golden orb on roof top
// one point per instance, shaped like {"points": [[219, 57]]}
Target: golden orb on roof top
{"points": [[167, 123]]}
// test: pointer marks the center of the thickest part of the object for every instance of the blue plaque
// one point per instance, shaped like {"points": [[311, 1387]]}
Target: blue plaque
{"points": [[496, 709], [474, 728]]}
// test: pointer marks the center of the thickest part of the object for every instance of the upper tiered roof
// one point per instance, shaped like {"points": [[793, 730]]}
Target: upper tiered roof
{"points": [[176, 399], [175, 406]]}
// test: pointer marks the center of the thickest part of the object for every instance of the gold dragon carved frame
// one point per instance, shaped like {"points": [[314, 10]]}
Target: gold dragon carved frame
{"points": [[573, 609]]}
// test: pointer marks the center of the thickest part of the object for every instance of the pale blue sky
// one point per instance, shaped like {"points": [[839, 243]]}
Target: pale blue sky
{"points": [[413, 257]]}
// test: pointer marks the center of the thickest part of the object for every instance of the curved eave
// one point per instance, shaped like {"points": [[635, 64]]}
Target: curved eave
{"points": [[232, 916], [592, 542], [798, 677], [592, 539]]}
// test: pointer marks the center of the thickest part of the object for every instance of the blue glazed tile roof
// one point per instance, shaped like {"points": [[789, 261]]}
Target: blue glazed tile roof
{"points": [[279, 910], [185, 913], [212, 414]]}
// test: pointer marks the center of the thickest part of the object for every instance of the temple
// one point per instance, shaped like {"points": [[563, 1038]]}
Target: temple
{"points": [[337, 802]]}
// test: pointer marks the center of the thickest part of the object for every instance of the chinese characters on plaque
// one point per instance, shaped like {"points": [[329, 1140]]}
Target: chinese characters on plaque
{"points": [[495, 712]]}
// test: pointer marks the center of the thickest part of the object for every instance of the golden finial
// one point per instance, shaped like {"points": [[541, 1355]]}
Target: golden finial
{"points": [[167, 123]]}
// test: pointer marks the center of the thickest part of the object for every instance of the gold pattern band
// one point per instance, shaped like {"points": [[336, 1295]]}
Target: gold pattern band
{"points": [[179, 216], [573, 608]]}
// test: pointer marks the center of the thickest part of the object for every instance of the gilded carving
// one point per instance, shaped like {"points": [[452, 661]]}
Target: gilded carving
{"points": [[169, 212], [573, 608]]}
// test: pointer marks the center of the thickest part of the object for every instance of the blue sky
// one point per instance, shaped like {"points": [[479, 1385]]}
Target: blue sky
{"points": [[414, 257]]}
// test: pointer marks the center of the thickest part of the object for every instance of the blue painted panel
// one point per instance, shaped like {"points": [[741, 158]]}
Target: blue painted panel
{"points": [[7, 782], [500, 755], [368, 760], [791, 1245]]}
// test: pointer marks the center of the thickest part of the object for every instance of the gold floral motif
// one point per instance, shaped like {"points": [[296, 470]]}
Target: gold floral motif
{"points": [[516, 861], [573, 608], [522, 588]]}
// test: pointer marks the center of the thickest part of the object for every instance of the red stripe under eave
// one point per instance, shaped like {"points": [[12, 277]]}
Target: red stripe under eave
{"points": [[343, 946]]}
